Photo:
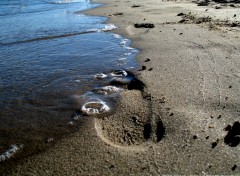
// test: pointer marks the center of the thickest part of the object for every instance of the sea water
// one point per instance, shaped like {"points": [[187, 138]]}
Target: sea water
{"points": [[50, 54]]}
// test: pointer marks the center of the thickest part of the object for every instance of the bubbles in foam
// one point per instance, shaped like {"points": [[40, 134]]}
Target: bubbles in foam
{"points": [[108, 90], [10, 152], [119, 73], [100, 76], [95, 106]]}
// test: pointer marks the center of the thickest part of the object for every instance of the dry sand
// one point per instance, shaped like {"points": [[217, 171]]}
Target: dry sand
{"points": [[176, 124]]}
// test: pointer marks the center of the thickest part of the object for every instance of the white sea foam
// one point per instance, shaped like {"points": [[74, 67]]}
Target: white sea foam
{"points": [[122, 59], [10, 152], [77, 117], [127, 54], [64, 2], [129, 48], [108, 90], [109, 27], [119, 73], [95, 106], [117, 36], [100, 76], [124, 42], [71, 123]]}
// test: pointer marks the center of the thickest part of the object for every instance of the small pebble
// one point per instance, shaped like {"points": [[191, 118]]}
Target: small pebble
{"points": [[234, 167]]}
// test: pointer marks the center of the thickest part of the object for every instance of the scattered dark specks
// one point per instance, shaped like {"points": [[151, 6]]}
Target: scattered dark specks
{"points": [[162, 100], [206, 10], [214, 144], [224, 107], [195, 137], [147, 60], [143, 68], [116, 14], [207, 137], [182, 21], [112, 166], [228, 128], [212, 117], [234, 15], [181, 33], [234, 167], [150, 69], [174, 29], [233, 137], [171, 114], [230, 87], [226, 98], [160, 31], [219, 116], [209, 166]]}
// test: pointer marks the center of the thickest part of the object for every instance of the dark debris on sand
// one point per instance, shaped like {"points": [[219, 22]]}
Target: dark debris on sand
{"points": [[144, 25], [233, 137]]}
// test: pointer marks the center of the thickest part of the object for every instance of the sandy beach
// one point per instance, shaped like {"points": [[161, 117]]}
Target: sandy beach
{"points": [[185, 120]]}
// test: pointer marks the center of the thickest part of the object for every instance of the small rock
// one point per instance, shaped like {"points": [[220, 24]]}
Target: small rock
{"points": [[134, 6], [180, 14], [234, 167]]}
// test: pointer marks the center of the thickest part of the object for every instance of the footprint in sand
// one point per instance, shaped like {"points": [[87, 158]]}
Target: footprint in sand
{"points": [[133, 125]]}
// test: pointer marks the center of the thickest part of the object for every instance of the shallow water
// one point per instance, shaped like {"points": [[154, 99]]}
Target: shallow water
{"points": [[49, 55]]}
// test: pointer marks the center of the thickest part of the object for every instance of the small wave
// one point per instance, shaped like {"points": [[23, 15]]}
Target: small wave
{"points": [[106, 28], [62, 2]]}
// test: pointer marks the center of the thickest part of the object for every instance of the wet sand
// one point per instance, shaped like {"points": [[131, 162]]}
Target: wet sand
{"points": [[179, 122]]}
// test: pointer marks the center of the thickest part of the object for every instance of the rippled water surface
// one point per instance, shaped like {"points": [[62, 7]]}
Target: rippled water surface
{"points": [[49, 54]]}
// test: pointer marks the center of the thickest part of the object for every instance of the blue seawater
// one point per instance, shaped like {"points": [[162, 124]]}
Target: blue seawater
{"points": [[49, 54]]}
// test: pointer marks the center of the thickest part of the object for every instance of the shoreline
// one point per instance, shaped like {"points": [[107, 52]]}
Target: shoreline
{"points": [[176, 124]]}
